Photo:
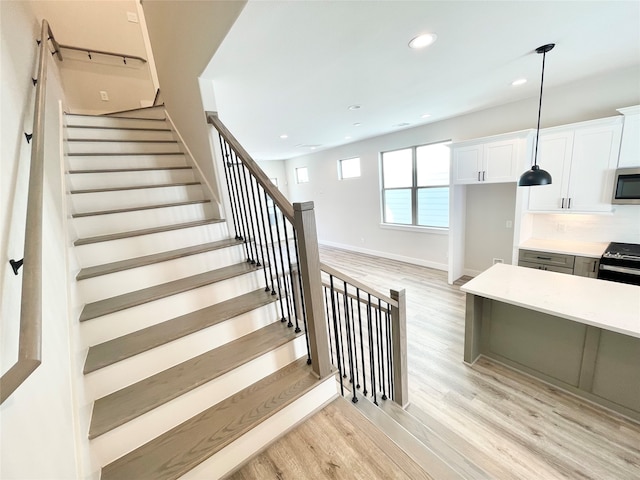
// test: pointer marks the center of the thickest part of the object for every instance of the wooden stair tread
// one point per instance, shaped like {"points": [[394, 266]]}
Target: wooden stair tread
{"points": [[145, 231], [109, 127], [179, 450], [135, 209], [97, 270], [130, 402], [111, 140], [106, 154], [112, 351], [149, 294], [120, 170], [135, 187]]}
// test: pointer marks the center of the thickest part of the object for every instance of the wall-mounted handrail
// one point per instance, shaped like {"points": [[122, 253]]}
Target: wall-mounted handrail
{"points": [[30, 339], [60, 46]]}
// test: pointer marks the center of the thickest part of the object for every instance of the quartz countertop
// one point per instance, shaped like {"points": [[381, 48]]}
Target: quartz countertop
{"points": [[582, 249], [600, 303]]}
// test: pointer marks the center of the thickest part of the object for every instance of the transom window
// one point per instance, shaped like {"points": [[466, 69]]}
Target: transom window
{"points": [[349, 168], [302, 175], [415, 185]]}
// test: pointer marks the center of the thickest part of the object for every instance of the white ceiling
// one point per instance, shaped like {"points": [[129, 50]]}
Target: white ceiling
{"points": [[294, 67]]}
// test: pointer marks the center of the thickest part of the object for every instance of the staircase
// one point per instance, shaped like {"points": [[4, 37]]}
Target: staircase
{"points": [[189, 367]]}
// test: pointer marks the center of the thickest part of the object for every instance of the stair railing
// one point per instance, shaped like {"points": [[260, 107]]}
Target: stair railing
{"points": [[365, 340], [30, 335]]}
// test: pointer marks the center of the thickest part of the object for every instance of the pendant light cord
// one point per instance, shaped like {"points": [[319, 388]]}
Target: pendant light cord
{"points": [[535, 156]]}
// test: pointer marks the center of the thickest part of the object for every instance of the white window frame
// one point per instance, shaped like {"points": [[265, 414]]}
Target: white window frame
{"points": [[306, 174], [340, 168]]}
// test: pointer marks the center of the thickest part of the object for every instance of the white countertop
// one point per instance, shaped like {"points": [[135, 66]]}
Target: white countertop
{"points": [[608, 305], [583, 249]]}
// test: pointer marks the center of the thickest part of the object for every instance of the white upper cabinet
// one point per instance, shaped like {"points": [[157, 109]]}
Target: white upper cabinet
{"points": [[490, 160], [630, 146], [581, 159]]}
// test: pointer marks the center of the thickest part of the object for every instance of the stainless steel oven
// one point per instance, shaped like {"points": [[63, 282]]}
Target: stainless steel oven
{"points": [[621, 263], [626, 189]]}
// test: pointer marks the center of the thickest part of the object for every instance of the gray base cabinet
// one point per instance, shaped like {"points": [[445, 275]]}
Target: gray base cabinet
{"points": [[558, 262]]}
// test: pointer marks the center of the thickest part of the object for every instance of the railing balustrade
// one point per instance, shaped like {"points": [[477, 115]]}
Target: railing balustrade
{"points": [[348, 325]]}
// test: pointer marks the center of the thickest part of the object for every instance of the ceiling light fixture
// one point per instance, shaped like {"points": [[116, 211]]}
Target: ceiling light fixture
{"points": [[284, 135], [423, 40], [353, 107], [518, 82], [536, 176], [357, 124], [426, 115], [403, 124]]}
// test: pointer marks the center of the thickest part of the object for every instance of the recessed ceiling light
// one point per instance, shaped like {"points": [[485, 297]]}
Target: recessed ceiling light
{"points": [[426, 115], [403, 124], [284, 135], [348, 137], [520, 81], [353, 107], [423, 40], [357, 124]]}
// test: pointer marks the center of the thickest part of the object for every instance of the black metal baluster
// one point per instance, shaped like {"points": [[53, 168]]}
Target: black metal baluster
{"points": [[241, 207], [371, 353], [355, 343], [342, 355], [275, 262], [267, 260], [284, 283], [349, 345], [389, 349], [259, 238], [251, 207], [304, 310], [225, 168], [381, 352], [364, 376], [295, 309], [250, 237], [326, 306], [336, 330]]}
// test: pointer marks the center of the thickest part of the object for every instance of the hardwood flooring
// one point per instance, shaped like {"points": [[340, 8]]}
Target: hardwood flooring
{"points": [[514, 426]]}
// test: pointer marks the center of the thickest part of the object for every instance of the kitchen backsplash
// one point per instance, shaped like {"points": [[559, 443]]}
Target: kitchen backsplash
{"points": [[621, 226]]}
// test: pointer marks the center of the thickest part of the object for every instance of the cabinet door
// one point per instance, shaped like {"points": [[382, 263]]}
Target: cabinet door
{"points": [[586, 267], [467, 162], [554, 156], [593, 164], [501, 162], [630, 145]]}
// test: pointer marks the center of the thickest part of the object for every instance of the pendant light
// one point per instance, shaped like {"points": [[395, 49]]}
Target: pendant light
{"points": [[536, 176]]}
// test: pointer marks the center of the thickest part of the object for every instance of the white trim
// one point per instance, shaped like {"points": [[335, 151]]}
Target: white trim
{"points": [[391, 256], [415, 228]]}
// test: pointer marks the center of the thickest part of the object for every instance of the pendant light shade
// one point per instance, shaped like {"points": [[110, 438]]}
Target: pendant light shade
{"points": [[537, 176]]}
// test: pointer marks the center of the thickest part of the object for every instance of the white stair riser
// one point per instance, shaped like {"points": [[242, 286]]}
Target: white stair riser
{"points": [[105, 286], [114, 444], [108, 327], [126, 372], [106, 162], [251, 443], [157, 112], [100, 121], [122, 147], [85, 181], [92, 202], [115, 250], [95, 225], [118, 134]]}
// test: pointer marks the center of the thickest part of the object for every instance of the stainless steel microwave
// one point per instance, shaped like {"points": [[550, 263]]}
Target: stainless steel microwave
{"points": [[626, 189]]}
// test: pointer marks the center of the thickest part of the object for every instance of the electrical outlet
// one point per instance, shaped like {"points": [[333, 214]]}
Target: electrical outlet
{"points": [[498, 260], [132, 17], [508, 224], [104, 96]]}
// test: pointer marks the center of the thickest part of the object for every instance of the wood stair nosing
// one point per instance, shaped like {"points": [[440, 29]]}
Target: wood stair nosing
{"points": [[135, 187], [131, 299], [108, 127], [135, 400], [113, 267], [145, 231], [180, 449], [121, 348], [106, 154], [111, 140], [125, 170], [139, 208]]}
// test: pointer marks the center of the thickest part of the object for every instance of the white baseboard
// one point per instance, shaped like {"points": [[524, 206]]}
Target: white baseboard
{"points": [[471, 273], [391, 256]]}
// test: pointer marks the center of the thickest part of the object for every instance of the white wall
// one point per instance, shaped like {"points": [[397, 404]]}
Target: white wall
{"points": [[38, 423], [184, 36], [277, 169], [102, 25], [348, 212]]}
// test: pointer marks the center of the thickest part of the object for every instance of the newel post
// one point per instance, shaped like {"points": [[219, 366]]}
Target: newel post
{"points": [[305, 224], [399, 348]]}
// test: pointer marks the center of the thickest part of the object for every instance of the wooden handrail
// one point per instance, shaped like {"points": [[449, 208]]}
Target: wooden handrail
{"points": [[30, 340], [89, 51], [352, 281], [262, 178]]}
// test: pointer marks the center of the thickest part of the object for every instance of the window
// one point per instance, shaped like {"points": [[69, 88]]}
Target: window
{"points": [[302, 175], [415, 186], [349, 168]]}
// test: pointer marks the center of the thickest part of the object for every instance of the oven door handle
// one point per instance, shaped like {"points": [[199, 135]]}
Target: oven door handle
{"points": [[613, 268]]}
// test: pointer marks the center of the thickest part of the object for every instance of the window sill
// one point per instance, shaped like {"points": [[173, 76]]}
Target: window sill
{"points": [[415, 228]]}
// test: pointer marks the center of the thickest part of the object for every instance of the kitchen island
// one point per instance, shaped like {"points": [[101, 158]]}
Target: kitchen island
{"points": [[580, 334]]}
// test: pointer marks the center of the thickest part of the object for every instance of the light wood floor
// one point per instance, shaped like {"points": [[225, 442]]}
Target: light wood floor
{"points": [[515, 426]]}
